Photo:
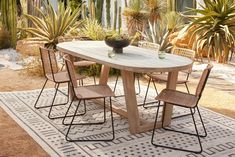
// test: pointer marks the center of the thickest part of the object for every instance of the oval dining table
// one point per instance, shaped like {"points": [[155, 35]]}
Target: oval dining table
{"points": [[133, 59]]}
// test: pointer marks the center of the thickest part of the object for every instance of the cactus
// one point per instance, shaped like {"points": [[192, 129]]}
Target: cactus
{"points": [[84, 11], [115, 15], [119, 19], [9, 14], [108, 13], [91, 8], [99, 10]]}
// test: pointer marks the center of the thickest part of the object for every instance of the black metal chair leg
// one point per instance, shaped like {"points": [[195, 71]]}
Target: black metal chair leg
{"points": [[155, 123], [198, 137], [66, 113], [138, 82], [146, 95], [111, 110], [66, 136], [78, 140], [94, 79], [53, 100], [90, 123], [204, 128], [115, 86], [174, 148], [46, 106], [58, 117], [187, 87], [180, 116], [35, 105]]}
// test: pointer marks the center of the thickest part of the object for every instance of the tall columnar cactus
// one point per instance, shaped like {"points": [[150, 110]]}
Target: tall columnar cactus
{"points": [[91, 8], [84, 11], [108, 13], [9, 15], [119, 19], [115, 15], [99, 10]]}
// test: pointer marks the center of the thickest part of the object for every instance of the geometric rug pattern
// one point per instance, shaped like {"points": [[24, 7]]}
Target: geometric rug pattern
{"points": [[50, 134]]}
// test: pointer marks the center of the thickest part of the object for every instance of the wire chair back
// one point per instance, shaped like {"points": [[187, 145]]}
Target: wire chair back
{"points": [[149, 45], [185, 53], [203, 80], [71, 70], [49, 61]]}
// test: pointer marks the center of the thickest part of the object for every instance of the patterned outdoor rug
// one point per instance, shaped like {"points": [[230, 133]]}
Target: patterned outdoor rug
{"points": [[50, 134]]}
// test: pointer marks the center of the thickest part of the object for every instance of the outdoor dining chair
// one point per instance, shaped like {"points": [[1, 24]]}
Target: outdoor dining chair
{"points": [[88, 92], [155, 47], [53, 74], [184, 100], [183, 77]]}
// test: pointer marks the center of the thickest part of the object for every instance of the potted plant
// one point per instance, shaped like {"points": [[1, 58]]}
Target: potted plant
{"points": [[214, 28], [117, 41]]}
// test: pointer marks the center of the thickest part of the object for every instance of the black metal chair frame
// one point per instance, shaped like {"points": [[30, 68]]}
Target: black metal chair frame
{"points": [[156, 101], [194, 122], [168, 129], [57, 84], [90, 123]]}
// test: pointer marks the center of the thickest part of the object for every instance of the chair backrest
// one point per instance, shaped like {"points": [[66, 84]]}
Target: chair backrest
{"points": [[185, 53], [71, 70], [148, 45], [49, 61], [203, 80]]}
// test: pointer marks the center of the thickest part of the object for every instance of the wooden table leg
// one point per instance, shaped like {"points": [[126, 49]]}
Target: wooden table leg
{"points": [[131, 102], [168, 109]]}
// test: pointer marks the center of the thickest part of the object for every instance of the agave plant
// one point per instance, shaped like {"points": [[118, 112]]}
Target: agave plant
{"points": [[136, 16], [158, 33], [215, 28], [51, 24]]}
